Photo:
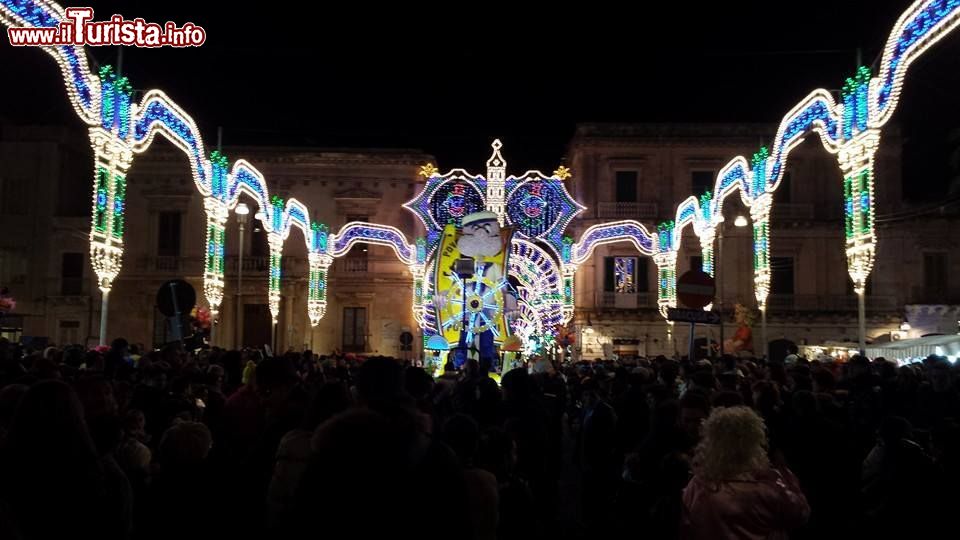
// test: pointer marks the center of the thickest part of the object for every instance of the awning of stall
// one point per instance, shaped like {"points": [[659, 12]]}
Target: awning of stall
{"points": [[907, 349]]}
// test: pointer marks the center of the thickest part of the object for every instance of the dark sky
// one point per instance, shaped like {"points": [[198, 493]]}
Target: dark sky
{"points": [[447, 80]]}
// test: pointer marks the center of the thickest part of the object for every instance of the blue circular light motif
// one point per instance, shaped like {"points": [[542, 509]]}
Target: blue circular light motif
{"points": [[456, 205], [533, 205]]}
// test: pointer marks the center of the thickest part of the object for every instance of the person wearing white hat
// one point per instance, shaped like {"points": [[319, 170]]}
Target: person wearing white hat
{"points": [[483, 240]]}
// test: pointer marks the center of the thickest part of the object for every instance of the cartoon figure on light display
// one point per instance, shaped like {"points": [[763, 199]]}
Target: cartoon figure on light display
{"points": [[742, 340], [474, 313]]}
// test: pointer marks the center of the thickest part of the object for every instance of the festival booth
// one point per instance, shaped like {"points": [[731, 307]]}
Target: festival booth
{"points": [[908, 351], [839, 351]]}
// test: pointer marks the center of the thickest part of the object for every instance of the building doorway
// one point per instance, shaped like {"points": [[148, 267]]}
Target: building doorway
{"points": [[354, 329], [257, 326]]}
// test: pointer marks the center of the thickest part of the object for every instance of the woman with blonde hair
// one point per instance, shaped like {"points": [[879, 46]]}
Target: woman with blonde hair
{"points": [[735, 492]]}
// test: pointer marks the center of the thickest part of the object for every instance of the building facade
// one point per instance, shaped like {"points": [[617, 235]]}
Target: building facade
{"points": [[45, 261], [643, 172]]}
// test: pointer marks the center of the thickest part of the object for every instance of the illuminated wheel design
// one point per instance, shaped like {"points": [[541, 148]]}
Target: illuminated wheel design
{"points": [[484, 303]]}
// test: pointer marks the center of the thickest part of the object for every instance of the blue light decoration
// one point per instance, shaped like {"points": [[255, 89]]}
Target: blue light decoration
{"points": [[816, 114], [249, 180], [730, 178], [373, 233], [71, 58], [540, 208], [157, 114], [446, 199], [218, 174], [913, 33], [296, 214], [687, 212], [597, 235]]}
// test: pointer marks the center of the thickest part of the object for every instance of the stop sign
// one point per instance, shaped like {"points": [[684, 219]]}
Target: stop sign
{"points": [[695, 289]]}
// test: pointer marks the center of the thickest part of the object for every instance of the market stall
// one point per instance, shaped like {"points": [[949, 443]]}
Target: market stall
{"points": [[915, 350]]}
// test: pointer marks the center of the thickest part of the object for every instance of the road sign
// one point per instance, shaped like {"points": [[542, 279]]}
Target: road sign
{"points": [[697, 316], [406, 338], [176, 296], [695, 289]]}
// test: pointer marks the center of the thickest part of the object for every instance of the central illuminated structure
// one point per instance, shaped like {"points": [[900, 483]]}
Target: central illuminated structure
{"points": [[543, 259], [536, 205]]}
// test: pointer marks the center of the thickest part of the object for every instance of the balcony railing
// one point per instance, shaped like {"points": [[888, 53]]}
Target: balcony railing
{"points": [[613, 300], [254, 265], [813, 302], [792, 212], [169, 265], [353, 265], [166, 263], [627, 210]]}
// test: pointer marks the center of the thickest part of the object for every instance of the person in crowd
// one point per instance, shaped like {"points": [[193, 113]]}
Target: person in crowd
{"points": [[185, 486], [736, 492], [462, 434], [592, 449], [295, 449], [899, 478], [51, 462], [598, 458]]}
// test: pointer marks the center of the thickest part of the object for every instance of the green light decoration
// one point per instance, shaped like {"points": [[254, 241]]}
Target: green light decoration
{"points": [[855, 99], [706, 210], [759, 169], [858, 219], [274, 271], [277, 203], [418, 291], [866, 216], [119, 204], [216, 238], [848, 207], [667, 281], [318, 288], [115, 95], [761, 233], [706, 243], [565, 252], [421, 244], [665, 236], [320, 234]]}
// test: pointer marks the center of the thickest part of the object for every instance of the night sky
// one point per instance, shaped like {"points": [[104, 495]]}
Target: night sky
{"points": [[448, 79]]}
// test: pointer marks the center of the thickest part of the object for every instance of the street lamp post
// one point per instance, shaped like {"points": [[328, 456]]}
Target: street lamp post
{"points": [[739, 221], [242, 212]]}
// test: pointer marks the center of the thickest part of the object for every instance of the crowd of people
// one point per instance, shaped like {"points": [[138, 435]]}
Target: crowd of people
{"points": [[119, 444]]}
